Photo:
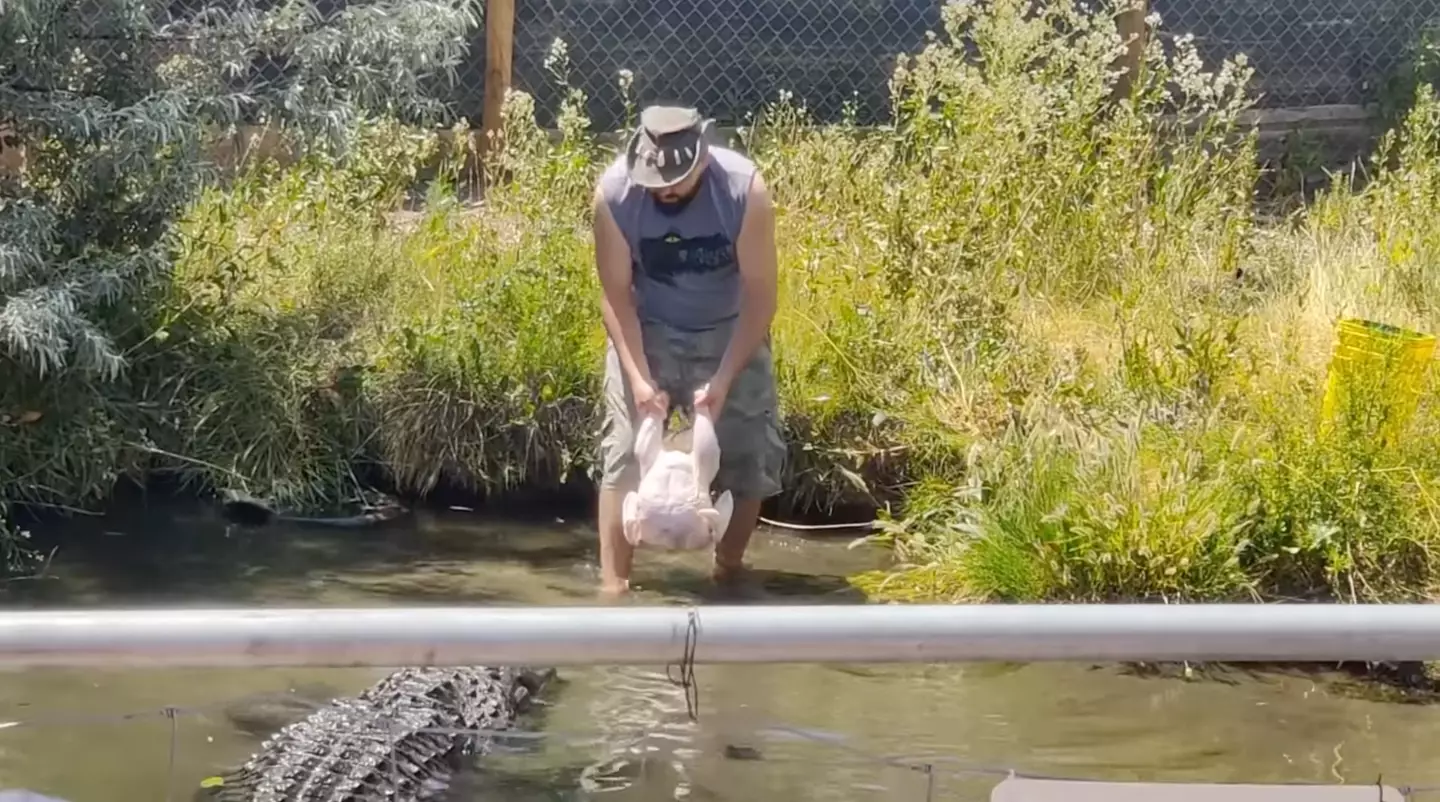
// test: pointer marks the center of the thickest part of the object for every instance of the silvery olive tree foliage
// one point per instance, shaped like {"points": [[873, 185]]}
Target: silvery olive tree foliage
{"points": [[114, 102]]}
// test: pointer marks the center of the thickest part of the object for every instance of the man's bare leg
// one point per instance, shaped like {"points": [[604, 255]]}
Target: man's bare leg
{"points": [[616, 553], [730, 552]]}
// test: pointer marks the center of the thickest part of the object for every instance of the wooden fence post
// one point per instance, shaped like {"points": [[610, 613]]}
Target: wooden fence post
{"points": [[1131, 26], [499, 55]]}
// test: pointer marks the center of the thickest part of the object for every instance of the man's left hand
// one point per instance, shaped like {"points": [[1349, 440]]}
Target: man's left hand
{"points": [[710, 399]]}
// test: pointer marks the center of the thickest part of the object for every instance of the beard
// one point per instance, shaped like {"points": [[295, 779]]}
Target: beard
{"points": [[673, 204]]}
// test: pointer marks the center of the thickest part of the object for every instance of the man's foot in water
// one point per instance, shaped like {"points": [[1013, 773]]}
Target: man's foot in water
{"points": [[728, 574], [735, 581], [614, 590]]}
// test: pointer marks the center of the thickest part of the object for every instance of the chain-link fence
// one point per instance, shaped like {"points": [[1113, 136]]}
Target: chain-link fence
{"points": [[730, 57], [1306, 52]]}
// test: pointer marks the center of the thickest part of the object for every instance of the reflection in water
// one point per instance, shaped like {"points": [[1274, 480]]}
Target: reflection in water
{"points": [[646, 729], [794, 732]]}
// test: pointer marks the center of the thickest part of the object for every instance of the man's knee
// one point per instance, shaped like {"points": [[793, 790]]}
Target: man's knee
{"points": [[750, 477], [620, 479], [618, 467], [752, 450]]}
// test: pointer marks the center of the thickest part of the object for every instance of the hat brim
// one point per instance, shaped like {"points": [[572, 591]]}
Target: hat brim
{"points": [[652, 177]]}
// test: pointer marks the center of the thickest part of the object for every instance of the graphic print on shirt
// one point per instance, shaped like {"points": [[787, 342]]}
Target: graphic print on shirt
{"points": [[667, 257]]}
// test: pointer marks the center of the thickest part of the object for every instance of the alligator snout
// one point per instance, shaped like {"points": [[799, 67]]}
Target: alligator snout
{"points": [[529, 683]]}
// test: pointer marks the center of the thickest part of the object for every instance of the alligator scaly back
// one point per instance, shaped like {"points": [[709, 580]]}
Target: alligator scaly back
{"points": [[401, 740]]}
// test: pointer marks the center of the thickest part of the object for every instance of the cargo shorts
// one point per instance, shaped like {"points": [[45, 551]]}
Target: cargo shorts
{"points": [[752, 451]]}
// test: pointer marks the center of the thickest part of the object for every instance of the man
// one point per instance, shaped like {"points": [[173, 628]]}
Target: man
{"points": [[685, 248]]}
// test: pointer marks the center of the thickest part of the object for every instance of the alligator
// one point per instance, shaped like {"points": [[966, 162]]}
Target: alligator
{"points": [[246, 510], [401, 740]]}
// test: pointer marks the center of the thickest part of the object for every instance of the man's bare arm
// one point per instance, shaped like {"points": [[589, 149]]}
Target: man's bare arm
{"points": [[755, 252], [617, 302]]}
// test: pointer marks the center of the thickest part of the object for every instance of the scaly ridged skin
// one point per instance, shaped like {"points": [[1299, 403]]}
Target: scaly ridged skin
{"points": [[398, 741]]}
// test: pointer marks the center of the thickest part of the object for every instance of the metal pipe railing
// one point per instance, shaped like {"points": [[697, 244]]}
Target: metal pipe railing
{"points": [[394, 636]]}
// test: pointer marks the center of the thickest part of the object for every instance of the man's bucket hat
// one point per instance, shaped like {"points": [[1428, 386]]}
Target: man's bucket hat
{"points": [[667, 146]]}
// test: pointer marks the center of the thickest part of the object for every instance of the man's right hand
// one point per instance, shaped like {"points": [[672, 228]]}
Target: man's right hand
{"points": [[648, 399]]}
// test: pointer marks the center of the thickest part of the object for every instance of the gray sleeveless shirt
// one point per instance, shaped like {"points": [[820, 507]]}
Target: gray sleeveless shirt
{"points": [[683, 265]]}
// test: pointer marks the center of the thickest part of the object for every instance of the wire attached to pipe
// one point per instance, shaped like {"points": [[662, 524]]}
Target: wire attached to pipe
{"points": [[172, 714], [687, 666]]}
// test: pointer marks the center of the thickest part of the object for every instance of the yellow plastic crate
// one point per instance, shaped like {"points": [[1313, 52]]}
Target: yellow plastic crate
{"points": [[1377, 372]]}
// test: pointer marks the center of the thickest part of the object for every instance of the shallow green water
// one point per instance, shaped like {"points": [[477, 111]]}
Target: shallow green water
{"points": [[623, 733]]}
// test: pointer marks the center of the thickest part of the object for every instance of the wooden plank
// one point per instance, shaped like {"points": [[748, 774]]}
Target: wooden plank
{"points": [[1024, 789], [1306, 115]]}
